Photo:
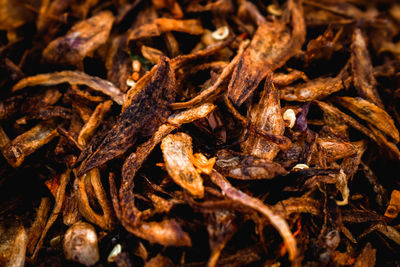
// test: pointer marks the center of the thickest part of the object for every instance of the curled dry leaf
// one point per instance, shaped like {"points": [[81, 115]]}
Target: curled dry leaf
{"points": [[277, 221], [363, 77], [271, 46], [148, 110], [178, 158], [81, 40], [372, 114], [25, 144], [73, 78]]}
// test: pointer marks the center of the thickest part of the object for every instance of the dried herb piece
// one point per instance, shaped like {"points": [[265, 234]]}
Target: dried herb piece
{"points": [[393, 209], [265, 115], [372, 114], [25, 144], [278, 222], [272, 45], [73, 78], [81, 40], [148, 110], [178, 156], [363, 77]]}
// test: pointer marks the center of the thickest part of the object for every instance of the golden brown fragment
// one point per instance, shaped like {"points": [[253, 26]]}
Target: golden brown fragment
{"points": [[94, 122], [159, 261], [92, 180], [151, 54], [363, 77], [81, 40], [317, 88], [216, 87], [38, 225], [18, 249], [265, 115], [25, 144], [367, 257], [4, 140], [73, 78], [371, 113], [277, 221], [393, 210], [59, 199], [178, 156], [272, 45], [163, 25]]}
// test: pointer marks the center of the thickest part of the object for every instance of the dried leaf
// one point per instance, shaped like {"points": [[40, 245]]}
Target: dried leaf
{"points": [[147, 111], [178, 155], [392, 211], [271, 46], [73, 78], [81, 40], [372, 114]]}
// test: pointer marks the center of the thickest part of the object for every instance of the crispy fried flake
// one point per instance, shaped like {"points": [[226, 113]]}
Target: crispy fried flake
{"points": [[178, 157], [367, 257], [277, 221], [271, 46], [265, 115], [147, 111], [94, 122], [316, 89], [163, 25], [371, 113], [73, 78], [363, 77], [392, 211], [25, 144], [81, 40]]}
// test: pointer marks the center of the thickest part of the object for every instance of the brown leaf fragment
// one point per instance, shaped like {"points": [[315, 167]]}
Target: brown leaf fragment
{"points": [[73, 78], [367, 257], [265, 115], [163, 25], [92, 180], [14, 14], [38, 225], [159, 261], [221, 227], [151, 54], [81, 40], [272, 45], [172, 5], [25, 103], [332, 149], [4, 140], [18, 249], [392, 211], [363, 73], [147, 111], [371, 113], [94, 122], [246, 167], [317, 88], [25, 144], [59, 200], [178, 155], [118, 63], [277, 221]]}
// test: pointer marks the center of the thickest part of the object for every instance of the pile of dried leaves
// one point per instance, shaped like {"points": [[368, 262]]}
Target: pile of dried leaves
{"points": [[193, 133]]}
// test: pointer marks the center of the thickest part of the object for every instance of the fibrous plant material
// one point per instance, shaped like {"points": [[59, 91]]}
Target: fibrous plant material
{"points": [[199, 133]]}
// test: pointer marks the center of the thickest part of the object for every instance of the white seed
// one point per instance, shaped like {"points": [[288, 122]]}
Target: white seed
{"points": [[300, 167], [136, 65], [130, 82], [290, 116], [80, 244], [221, 33], [114, 252]]}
